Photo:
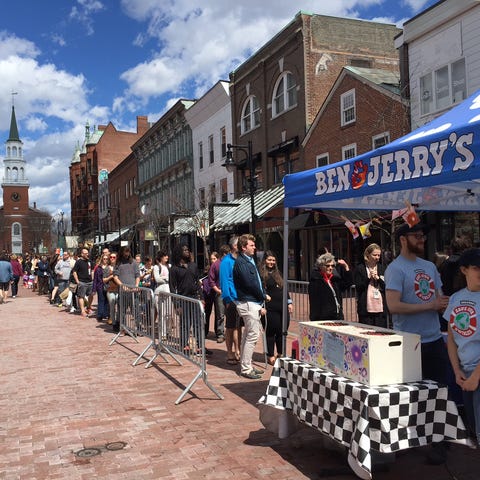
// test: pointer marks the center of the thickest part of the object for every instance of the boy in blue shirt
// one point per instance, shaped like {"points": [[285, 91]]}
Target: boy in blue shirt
{"points": [[462, 315]]}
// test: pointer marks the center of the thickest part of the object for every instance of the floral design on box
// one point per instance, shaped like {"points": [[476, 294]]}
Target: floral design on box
{"points": [[340, 353]]}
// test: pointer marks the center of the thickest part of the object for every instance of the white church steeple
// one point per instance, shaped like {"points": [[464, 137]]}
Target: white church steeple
{"points": [[14, 164]]}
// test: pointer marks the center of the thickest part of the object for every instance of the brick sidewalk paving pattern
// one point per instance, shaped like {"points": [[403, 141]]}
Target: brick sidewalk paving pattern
{"points": [[64, 389]]}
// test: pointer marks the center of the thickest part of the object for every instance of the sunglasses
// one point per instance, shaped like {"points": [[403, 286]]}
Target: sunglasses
{"points": [[417, 236]]}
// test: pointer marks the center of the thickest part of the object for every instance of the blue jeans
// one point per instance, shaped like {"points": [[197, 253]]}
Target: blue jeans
{"points": [[113, 307], [102, 304]]}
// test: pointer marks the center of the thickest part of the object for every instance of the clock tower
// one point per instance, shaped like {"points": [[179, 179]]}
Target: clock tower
{"points": [[15, 183]]}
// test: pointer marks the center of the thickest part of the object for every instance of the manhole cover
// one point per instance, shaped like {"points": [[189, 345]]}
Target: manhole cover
{"points": [[115, 445], [88, 452]]}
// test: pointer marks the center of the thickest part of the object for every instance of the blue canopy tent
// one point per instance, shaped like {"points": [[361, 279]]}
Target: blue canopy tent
{"points": [[436, 167]]}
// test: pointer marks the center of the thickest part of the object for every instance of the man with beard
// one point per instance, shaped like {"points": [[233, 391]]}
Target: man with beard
{"points": [[414, 298]]}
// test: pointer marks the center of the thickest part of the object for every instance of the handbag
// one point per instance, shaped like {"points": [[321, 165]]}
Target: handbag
{"points": [[374, 299]]}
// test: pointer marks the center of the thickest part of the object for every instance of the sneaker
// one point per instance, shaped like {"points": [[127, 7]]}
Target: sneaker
{"points": [[251, 375], [109, 321], [220, 339], [257, 371], [116, 328], [72, 310]]}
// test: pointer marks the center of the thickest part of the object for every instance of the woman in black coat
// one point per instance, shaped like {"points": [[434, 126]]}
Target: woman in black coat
{"points": [[370, 287], [326, 287], [273, 284]]}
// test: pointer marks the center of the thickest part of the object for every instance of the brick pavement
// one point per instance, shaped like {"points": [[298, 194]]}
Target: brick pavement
{"points": [[63, 389]]}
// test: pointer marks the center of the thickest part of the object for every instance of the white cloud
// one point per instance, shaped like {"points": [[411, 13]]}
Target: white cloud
{"points": [[58, 39], [49, 100], [415, 5], [83, 13], [35, 124], [12, 45]]}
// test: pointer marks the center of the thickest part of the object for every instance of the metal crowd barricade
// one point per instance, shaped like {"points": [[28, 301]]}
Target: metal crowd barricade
{"points": [[136, 310], [181, 334]]}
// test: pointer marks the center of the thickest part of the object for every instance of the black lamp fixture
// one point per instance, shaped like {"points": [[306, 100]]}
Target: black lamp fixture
{"points": [[230, 165]]}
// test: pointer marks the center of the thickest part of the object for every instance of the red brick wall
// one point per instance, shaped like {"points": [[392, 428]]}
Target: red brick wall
{"points": [[375, 113]]}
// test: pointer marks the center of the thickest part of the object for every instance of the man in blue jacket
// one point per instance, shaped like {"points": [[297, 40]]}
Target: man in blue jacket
{"points": [[250, 303], [233, 328]]}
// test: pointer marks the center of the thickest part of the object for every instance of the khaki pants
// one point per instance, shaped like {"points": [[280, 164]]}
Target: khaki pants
{"points": [[250, 313]]}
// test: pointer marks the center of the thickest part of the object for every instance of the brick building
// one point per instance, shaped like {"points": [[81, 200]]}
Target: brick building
{"points": [[22, 227], [120, 214], [277, 92], [165, 174], [102, 150], [363, 111]]}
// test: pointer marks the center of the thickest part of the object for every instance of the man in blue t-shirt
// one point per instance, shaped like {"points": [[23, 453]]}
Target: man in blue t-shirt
{"points": [[413, 292], [414, 298]]}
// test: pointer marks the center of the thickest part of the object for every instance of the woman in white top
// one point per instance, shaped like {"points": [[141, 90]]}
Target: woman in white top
{"points": [[161, 274]]}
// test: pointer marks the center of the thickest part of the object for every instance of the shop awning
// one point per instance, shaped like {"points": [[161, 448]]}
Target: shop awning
{"points": [[111, 237], [264, 201], [229, 214]]}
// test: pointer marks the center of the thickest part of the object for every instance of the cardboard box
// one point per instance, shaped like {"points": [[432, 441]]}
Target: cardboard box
{"points": [[366, 354]]}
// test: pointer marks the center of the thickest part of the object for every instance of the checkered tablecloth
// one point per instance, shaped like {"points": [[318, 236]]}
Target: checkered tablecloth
{"points": [[363, 418]]}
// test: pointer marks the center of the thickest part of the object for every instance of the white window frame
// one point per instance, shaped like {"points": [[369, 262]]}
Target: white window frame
{"points": [[322, 159], [250, 115], [375, 138], [284, 93], [428, 91], [346, 148], [348, 113]]}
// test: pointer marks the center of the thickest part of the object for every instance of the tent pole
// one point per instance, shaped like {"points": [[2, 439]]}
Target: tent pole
{"points": [[285, 282]]}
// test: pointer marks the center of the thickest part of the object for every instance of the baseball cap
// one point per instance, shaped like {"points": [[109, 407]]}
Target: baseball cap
{"points": [[406, 228], [470, 257]]}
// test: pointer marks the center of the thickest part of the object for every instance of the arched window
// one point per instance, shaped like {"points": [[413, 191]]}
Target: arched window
{"points": [[16, 229], [14, 151], [284, 94], [15, 174], [250, 114]]}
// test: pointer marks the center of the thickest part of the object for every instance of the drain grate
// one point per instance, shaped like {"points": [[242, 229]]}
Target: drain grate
{"points": [[115, 446], [97, 450], [88, 452]]}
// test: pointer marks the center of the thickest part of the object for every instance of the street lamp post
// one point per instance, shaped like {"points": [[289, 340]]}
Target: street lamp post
{"points": [[61, 231], [118, 224], [230, 164]]}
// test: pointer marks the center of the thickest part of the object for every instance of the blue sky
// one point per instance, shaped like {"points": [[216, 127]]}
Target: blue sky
{"points": [[73, 61]]}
